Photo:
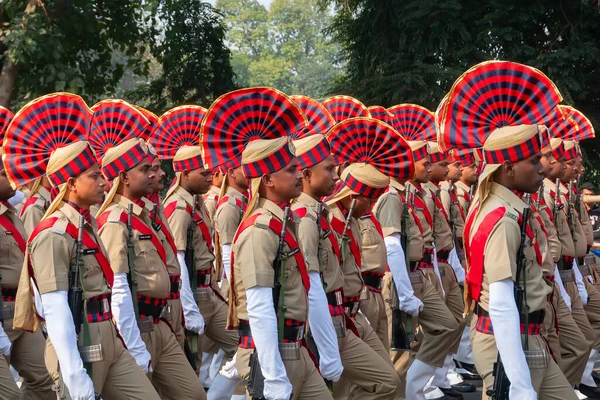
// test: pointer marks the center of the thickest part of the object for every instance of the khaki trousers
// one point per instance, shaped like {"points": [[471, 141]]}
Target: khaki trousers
{"points": [[373, 307], [8, 387], [579, 314], [27, 358], [214, 312], [454, 301], [306, 381], [176, 320], [117, 376], [172, 374], [549, 382], [592, 310]]}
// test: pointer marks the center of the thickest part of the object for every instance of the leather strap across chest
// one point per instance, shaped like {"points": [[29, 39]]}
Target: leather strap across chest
{"points": [[200, 223], [8, 226]]}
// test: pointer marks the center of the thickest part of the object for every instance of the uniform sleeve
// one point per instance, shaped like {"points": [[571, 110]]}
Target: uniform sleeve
{"points": [[211, 208], [227, 220], [445, 200], [501, 251], [308, 240], [255, 254], [389, 214], [179, 222], [32, 217], [114, 237], [51, 259]]}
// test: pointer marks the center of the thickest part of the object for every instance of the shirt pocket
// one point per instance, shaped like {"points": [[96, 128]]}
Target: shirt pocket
{"points": [[147, 259], [368, 236], [10, 253]]}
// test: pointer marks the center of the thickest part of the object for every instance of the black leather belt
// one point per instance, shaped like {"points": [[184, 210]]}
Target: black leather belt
{"points": [[335, 298], [372, 280], [443, 255], [536, 317], [414, 265], [150, 310], [290, 333], [98, 306]]}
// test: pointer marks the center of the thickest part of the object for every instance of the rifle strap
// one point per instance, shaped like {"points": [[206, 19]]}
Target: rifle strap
{"points": [[338, 227], [326, 231]]}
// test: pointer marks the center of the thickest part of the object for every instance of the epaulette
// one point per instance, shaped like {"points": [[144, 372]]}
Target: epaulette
{"points": [[115, 215], [181, 204], [60, 226], [512, 215], [547, 191], [262, 222]]}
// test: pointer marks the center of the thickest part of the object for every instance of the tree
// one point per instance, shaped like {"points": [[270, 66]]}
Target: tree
{"points": [[195, 63], [54, 45]]}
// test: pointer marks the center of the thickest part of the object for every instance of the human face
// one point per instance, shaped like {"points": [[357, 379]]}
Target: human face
{"points": [[285, 184], [158, 183], [422, 170], [548, 161], [439, 171], [237, 176], [321, 177], [138, 180], [558, 169], [198, 180], [6, 190], [454, 171], [88, 188], [570, 171], [527, 175]]}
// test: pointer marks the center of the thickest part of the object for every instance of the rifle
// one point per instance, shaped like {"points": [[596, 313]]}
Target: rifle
{"points": [[191, 344], [256, 380], [460, 253], [343, 236], [400, 339], [556, 200], [570, 209], [578, 195], [501, 388]]}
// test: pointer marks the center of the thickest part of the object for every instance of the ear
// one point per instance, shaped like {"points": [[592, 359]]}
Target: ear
{"points": [[185, 175], [71, 184], [124, 178], [267, 181], [509, 167], [306, 174]]}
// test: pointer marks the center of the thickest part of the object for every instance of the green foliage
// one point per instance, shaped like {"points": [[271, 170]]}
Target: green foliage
{"points": [[284, 47]]}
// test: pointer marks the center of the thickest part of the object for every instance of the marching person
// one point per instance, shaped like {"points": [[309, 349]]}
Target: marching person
{"points": [[65, 257], [211, 198]]}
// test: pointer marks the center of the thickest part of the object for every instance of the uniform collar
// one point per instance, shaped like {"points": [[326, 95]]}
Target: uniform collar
{"points": [[187, 196], [215, 189], [397, 185], [235, 193], [148, 204], [125, 202], [43, 193], [273, 208], [73, 215], [509, 196], [463, 186], [5, 207], [308, 200]]}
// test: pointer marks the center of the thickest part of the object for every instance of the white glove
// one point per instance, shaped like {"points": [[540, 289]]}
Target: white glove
{"points": [[507, 332], [124, 314], [229, 370], [436, 268], [226, 258], [191, 313], [580, 284], [5, 343], [558, 281], [454, 262], [263, 324], [61, 332], [396, 260], [322, 330], [18, 198]]}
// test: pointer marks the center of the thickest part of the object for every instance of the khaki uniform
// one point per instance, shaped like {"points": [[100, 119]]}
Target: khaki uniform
{"points": [[211, 198], [34, 212], [373, 269], [27, 347], [172, 374], [175, 316], [373, 377], [435, 320], [500, 251], [117, 376], [463, 192], [254, 252], [212, 306]]}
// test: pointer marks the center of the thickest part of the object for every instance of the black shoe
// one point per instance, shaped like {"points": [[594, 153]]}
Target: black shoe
{"points": [[464, 387], [451, 393], [467, 371], [589, 391], [596, 376]]}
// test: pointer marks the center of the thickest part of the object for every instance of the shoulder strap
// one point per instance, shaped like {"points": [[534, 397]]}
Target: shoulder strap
{"points": [[170, 209], [30, 201], [338, 227], [7, 224], [421, 203]]}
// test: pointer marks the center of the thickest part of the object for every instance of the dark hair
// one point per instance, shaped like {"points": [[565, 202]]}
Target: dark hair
{"points": [[589, 186]]}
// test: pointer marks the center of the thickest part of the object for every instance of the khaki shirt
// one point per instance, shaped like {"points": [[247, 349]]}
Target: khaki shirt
{"points": [[586, 222], [545, 213], [315, 243], [162, 223], [353, 281], [579, 236], [11, 256], [502, 245], [33, 214], [427, 201], [150, 271], [567, 247], [374, 252], [211, 198], [52, 252], [254, 252], [454, 208], [463, 192], [229, 216], [442, 234], [181, 220]]}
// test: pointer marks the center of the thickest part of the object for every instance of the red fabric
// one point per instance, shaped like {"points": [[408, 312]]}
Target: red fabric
{"points": [[30, 201], [87, 241], [454, 200], [419, 202], [166, 232], [338, 226], [170, 208], [240, 204], [6, 223], [138, 225], [301, 212]]}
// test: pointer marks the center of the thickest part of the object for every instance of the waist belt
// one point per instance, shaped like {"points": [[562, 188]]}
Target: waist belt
{"points": [[335, 300], [585, 270], [175, 287], [373, 281], [534, 326], [566, 275], [339, 324], [152, 307], [351, 305], [567, 262], [427, 259], [293, 331], [580, 261], [98, 308], [413, 265], [9, 294], [203, 277], [443, 256]]}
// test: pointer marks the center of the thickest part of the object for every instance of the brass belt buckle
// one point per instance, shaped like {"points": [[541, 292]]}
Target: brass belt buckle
{"points": [[536, 359], [145, 324], [166, 313], [90, 354]]}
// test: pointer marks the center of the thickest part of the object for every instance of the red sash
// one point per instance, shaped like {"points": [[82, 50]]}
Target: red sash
{"points": [[170, 209], [419, 202], [87, 241], [166, 232], [10, 227], [412, 212], [239, 204], [455, 201], [338, 227], [301, 212], [439, 205], [138, 225], [30, 201]]}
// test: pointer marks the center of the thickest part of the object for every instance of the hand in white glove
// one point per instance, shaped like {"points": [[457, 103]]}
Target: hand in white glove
{"points": [[580, 284], [5, 343], [191, 313], [412, 305], [229, 370]]}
